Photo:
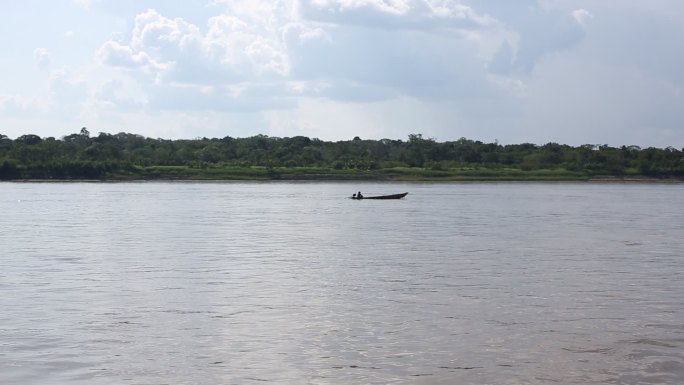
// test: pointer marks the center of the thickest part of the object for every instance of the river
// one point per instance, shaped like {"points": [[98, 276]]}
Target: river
{"points": [[294, 283]]}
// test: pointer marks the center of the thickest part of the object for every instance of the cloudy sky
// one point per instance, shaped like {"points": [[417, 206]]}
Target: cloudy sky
{"points": [[567, 71]]}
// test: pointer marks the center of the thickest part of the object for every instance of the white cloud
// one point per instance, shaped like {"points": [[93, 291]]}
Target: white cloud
{"points": [[529, 70], [118, 55], [582, 16], [414, 14], [389, 48], [156, 32], [260, 56], [230, 51], [42, 57]]}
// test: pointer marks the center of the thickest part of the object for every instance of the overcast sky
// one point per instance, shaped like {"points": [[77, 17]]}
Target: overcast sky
{"points": [[566, 71]]}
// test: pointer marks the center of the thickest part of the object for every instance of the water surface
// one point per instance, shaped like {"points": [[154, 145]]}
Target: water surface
{"points": [[292, 283]]}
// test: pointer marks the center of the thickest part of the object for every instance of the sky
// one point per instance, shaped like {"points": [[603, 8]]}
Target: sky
{"points": [[517, 71]]}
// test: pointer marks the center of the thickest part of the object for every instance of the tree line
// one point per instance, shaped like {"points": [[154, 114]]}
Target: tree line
{"points": [[82, 156]]}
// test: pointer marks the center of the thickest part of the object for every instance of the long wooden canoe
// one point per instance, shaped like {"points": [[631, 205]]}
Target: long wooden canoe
{"points": [[392, 196]]}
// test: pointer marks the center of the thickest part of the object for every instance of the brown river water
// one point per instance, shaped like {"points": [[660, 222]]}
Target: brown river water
{"points": [[294, 283]]}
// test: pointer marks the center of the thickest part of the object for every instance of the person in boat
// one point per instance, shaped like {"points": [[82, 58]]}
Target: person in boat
{"points": [[359, 196]]}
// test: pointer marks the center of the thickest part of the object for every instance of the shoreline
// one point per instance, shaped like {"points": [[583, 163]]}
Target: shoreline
{"points": [[337, 178]]}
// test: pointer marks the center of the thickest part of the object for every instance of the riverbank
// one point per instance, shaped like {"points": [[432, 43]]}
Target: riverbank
{"points": [[385, 174], [400, 174]]}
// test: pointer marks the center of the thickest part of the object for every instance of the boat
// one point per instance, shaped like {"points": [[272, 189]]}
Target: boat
{"points": [[392, 196]]}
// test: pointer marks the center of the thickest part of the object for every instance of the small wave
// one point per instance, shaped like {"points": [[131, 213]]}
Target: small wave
{"points": [[648, 341], [590, 350]]}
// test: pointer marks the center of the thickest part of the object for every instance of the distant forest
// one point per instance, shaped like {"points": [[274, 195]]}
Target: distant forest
{"points": [[131, 156]]}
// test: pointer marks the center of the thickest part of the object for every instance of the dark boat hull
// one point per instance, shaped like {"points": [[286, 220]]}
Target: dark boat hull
{"points": [[393, 196]]}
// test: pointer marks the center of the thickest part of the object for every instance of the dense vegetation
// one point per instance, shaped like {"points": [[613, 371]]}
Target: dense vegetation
{"points": [[130, 156]]}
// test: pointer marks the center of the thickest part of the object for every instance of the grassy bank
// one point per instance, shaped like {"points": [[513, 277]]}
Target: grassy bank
{"points": [[386, 174]]}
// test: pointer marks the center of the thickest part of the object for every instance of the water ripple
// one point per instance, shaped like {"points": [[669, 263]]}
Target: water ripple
{"points": [[290, 283]]}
